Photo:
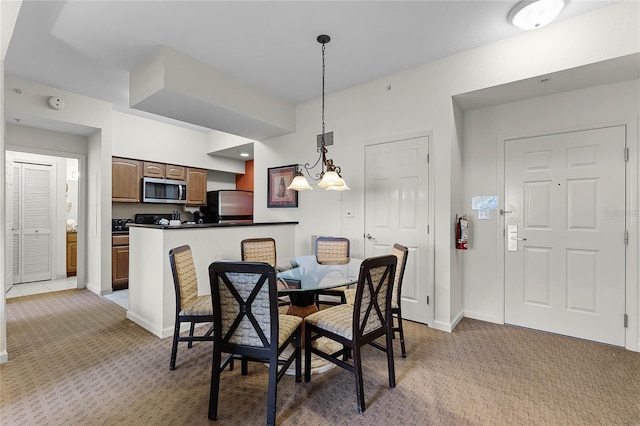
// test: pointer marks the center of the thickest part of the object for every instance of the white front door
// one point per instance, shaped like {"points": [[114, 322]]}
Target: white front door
{"points": [[396, 211], [565, 227]]}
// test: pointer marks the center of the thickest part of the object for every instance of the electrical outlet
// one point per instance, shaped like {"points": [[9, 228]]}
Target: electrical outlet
{"points": [[350, 214]]}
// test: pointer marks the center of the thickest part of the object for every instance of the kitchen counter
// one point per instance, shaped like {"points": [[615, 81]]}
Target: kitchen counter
{"points": [[208, 225], [151, 290]]}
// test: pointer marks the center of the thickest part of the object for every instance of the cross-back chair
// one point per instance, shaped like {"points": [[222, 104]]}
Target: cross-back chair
{"points": [[247, 326], [332, 251], [190, 307], [262, 250], [401, 252], [354, 326]]}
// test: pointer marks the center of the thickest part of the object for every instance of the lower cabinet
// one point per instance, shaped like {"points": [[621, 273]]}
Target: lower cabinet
{"points": [[119, 262], [72, 254]]}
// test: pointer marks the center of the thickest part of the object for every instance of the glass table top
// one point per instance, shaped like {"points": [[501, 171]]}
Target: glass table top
{"points": [[307, 275]]}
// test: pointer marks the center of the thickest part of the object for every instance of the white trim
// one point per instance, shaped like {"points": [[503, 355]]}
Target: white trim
{"points": [[482, 316], [443, 326], [430, 243], [632, 290], [4, 357], [82, 204]]}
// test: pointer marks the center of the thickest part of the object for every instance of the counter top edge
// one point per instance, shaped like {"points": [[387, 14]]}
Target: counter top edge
{"points": [[208, 225]]}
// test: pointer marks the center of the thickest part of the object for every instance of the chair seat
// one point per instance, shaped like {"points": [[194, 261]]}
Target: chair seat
{"points": [[288, 325], [337, 319], [200, 306]]}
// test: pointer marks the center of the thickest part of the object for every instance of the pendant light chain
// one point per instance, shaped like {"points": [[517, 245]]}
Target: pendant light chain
{"points": [[323, 46]]}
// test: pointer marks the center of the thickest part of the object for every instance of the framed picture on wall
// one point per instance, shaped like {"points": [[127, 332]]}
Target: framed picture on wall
{"points": [[278, 178]]}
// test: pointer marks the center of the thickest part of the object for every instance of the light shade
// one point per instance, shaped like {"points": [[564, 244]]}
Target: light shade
{"points": [[330, 178], [299, 183], [338, 188], [529, 15]]}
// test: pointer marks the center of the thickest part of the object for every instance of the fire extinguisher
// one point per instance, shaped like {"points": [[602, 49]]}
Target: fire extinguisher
{"points": [[462, 233]]}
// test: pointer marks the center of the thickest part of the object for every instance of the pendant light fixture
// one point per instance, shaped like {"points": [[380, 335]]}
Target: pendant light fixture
{"points": [[330, 179]]}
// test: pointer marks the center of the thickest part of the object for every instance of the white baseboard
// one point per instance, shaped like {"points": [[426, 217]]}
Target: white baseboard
{"points": [[4, 357], [482, 317], [147, 326]]}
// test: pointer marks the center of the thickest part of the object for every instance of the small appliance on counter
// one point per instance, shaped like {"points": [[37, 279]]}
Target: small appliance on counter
{"points": [[227, 206], [119, 226], [154, 219]]}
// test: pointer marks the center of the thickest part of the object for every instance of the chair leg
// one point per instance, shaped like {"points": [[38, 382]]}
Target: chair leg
{"points": [[298, 355], [400, 329], [307, 353], [174, 347], [272, 391], [390, 364], [215, 385], [191, 328], [244, 367], [357, 364]]}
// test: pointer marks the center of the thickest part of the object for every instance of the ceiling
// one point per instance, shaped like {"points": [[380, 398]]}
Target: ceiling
{"points": [[89, 47]]}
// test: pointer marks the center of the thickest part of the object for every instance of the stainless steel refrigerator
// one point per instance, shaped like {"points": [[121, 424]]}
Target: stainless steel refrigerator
{"points": [[228, 206]]}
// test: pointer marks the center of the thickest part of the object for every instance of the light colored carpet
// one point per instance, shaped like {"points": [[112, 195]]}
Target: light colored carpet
{"points": [[76, 360]]}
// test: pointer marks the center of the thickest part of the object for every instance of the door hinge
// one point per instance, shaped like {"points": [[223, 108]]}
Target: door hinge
{"points": [[427, 300], [626, 154], [428, 229], [428, 158], [626, 320], [626, 238]]}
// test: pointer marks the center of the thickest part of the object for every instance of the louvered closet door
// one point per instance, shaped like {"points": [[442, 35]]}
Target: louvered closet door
{"points": [[35, 214]]}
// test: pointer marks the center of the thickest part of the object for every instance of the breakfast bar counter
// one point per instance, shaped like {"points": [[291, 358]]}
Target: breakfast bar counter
{"points": [[151, 289]]}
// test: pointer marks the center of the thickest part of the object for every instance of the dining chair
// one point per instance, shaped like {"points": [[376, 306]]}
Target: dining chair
{"points": [[190, 307], [401, 252], [354, 326], [247, 326], [262, 250], [332, 251]]}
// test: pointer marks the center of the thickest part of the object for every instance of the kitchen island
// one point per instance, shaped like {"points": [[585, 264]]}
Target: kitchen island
{"points": [[151, 290]]}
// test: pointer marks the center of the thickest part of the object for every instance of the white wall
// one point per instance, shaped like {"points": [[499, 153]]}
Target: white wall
{"points": [[145, 139], [82, 114], [8, 17], [483, 129], [420, 100]]}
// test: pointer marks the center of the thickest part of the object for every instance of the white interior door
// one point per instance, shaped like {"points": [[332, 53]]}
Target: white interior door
{"points": [[32, 222], [565, 196], [396, 211]]}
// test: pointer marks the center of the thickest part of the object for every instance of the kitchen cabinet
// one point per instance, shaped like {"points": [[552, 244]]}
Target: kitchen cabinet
{"points": [[126, 175], [164, 171], [119, 262], [175, 172], [155, 170], [72, 254], [196, 187]]}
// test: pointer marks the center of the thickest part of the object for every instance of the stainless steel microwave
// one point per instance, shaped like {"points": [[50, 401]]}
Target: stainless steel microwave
{"points": [[167, 191]]}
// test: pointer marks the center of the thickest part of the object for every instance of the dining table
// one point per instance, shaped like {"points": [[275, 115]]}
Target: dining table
{"points": [[306, 276], [301, 280]]}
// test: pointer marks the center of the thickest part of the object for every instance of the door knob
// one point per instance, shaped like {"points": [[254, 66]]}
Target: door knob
{"points": [[368, 237]]}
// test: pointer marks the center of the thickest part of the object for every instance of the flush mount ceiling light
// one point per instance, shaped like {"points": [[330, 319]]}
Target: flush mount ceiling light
{"points": [[532, 14], [330, 180]]}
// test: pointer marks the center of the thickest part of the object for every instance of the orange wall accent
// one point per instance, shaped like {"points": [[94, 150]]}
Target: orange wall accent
{"points": [[245, 181]]}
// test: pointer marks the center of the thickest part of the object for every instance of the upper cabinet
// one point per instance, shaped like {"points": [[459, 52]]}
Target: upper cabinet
{"points": [[126, 176], [196, 187], [155, 170], [125, 180], [164, 171], [175, 172]]}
